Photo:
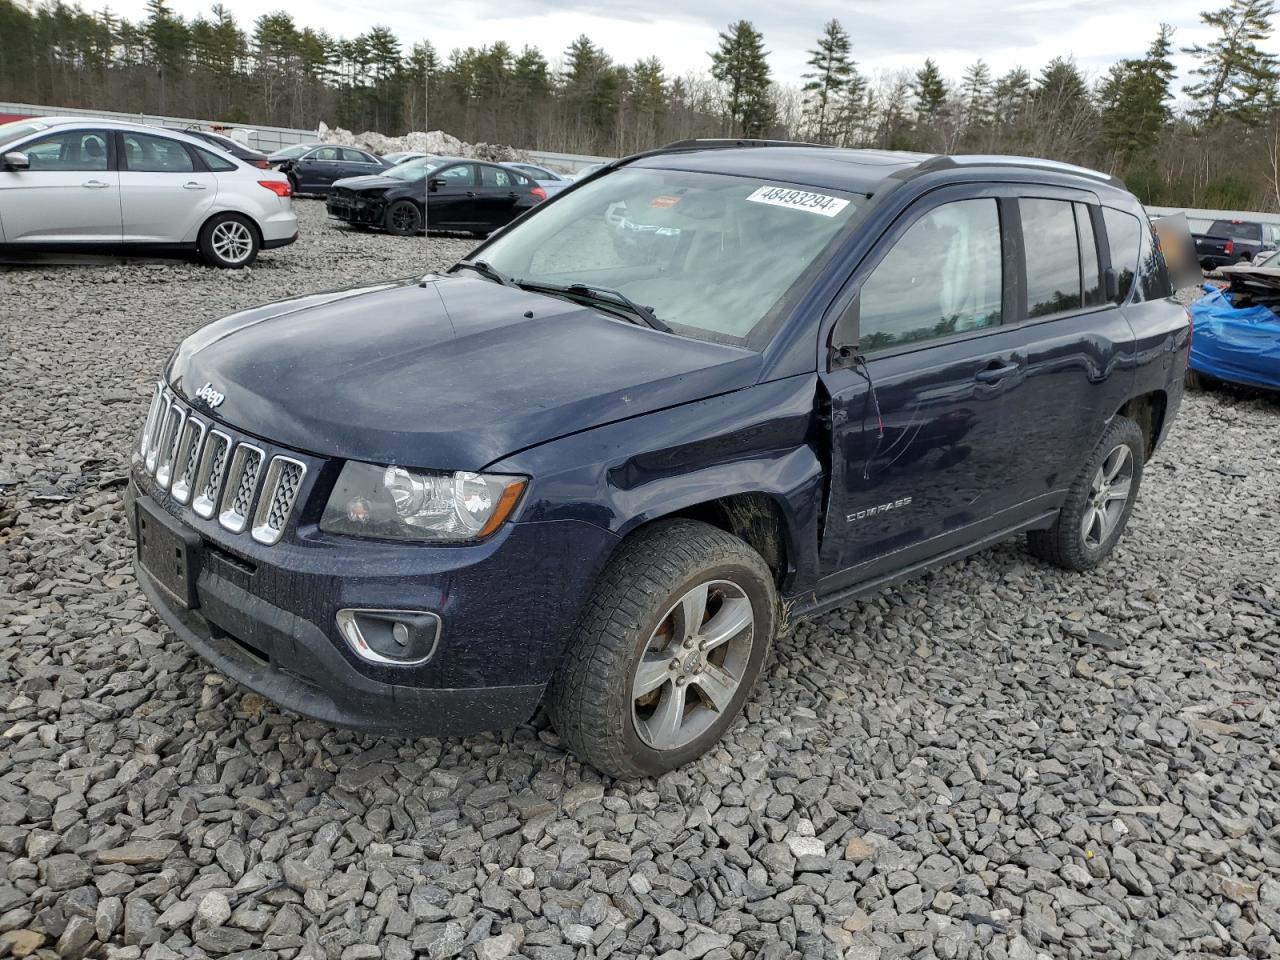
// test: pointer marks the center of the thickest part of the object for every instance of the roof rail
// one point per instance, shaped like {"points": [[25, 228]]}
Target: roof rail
{"points": [[944, 162], [726, 142]]}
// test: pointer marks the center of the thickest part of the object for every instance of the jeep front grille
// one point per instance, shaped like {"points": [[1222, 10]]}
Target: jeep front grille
{"points": [[279, 492], [209, 475], [240, 488], [217, 474]]}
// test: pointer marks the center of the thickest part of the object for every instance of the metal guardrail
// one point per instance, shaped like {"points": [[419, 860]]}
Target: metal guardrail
{"points": [[1195, 214], [264, 138]]}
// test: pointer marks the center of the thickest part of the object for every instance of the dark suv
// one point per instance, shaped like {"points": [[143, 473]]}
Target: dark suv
{"points": [[589, 467]]}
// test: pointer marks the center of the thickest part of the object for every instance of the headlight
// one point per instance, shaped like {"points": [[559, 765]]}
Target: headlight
{"points": [[401, 504]]}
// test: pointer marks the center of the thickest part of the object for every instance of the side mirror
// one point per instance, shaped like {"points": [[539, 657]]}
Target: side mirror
{"points": [[843, 346], [1111, 285], [17, 160]]}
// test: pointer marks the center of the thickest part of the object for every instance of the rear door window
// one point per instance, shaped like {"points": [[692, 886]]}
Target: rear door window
{"points": [[1053, 256], [495, 177], [324, 154], [943, 276], [355, 156], [144, 153]]}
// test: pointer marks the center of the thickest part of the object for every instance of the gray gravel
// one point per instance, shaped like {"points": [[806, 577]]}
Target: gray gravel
{"points": [[998, 760]]}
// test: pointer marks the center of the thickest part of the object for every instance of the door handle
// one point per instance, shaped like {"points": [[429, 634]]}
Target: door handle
{"points": [[193, 185], [95, 184], [994, 374]]}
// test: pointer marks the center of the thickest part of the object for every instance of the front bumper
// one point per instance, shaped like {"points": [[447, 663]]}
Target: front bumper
{"points": [[355, 210], [265, 616]]}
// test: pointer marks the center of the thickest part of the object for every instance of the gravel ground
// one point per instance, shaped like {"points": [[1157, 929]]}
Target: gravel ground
{"points": [[997, 760]]}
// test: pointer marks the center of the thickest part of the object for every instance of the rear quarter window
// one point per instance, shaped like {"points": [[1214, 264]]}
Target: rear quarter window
{"points": [[1135, 257]]}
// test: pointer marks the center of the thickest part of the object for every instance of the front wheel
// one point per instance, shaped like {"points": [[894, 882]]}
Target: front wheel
{"points": [[229, 241], [403, 218], [1098, 503], [667, 650]]}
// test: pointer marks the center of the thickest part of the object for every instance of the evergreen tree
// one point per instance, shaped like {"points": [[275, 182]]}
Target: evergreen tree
{"points": [[1238, 78], [930, 91], [740, 63], [1061, 86], [1135, 98], [976, 91], [1010, 95], [826, 84]]}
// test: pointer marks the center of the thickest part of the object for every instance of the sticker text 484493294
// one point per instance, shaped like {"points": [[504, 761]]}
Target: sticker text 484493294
{"points": [[818, 203]]}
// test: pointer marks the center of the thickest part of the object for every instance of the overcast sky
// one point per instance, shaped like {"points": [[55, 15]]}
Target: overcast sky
{"points": [[886, 35]]}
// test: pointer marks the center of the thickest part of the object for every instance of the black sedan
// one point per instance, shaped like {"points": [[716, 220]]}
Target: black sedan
{"points": [[448, 194], [317, 169], [254, 158]]}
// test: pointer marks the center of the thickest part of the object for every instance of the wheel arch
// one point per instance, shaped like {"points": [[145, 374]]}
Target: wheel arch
{"points": [[1148, 411], [756, 517], [253, 222]]}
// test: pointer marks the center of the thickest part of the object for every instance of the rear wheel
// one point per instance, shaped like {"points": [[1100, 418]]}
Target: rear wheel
{"points": [[229, 241], [1098, 503], [403, 218], [667, 650]]}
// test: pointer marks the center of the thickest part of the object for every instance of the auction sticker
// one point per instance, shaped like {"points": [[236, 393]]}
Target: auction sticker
{"points": [[818, 203]]}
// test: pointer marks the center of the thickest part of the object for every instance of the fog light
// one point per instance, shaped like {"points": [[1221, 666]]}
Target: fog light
{"points": [[403, 638]]}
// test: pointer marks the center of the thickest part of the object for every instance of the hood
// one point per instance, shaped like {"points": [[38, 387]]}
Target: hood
{"points": [[448, 373], [369, 181]]}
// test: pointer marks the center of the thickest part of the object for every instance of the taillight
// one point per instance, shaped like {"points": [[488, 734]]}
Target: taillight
{"points": [[262, 164], [538, 193], [1228, 247], [280, 188]]}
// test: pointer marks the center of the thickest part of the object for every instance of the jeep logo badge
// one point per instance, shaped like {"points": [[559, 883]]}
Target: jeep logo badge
{"points": [[209, 395]]}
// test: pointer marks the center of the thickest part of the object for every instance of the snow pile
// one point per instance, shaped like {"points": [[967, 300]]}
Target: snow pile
{"points": [[436, 142]]}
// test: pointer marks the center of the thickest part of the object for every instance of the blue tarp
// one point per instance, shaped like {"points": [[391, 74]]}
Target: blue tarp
{"points": [[1241, 345]]}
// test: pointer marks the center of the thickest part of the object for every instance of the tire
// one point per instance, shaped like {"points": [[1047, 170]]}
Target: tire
{"points": [[293, 184], [229, 241], [637, 607], [1069, 543], [403, 219], [1195, 381]]}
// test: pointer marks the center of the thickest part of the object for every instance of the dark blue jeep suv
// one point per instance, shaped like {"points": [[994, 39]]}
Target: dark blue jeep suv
{"points": [[588, 467]]}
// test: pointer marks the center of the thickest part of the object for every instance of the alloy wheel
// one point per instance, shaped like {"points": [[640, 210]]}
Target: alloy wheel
{"points": [[232, 241], [405, 218], [1108, 495], [692, 665]]}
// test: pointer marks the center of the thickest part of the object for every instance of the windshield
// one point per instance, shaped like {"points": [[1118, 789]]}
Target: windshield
{"points": [[712, 255], [414, 169], [9, 132]]}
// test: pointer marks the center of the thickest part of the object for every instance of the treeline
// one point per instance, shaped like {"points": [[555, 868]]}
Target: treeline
{"points": [[1214, 142]]}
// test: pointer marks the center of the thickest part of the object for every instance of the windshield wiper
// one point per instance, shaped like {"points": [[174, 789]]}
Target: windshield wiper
{"points": [[601, 294], [483, 268]]}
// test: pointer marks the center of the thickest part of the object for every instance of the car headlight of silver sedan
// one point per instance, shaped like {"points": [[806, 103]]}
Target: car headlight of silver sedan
{"points": [[397, 503]]}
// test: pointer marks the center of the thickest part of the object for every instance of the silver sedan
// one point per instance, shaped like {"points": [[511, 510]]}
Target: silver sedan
{"points": [[89, 182]]}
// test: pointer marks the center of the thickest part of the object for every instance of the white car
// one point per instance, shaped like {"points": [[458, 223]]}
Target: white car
{"points": [[81, 182]]}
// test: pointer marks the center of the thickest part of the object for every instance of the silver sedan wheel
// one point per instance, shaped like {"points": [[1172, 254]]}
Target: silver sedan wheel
{"points": [[1108, 495], [692, 665], [231, 241]]}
